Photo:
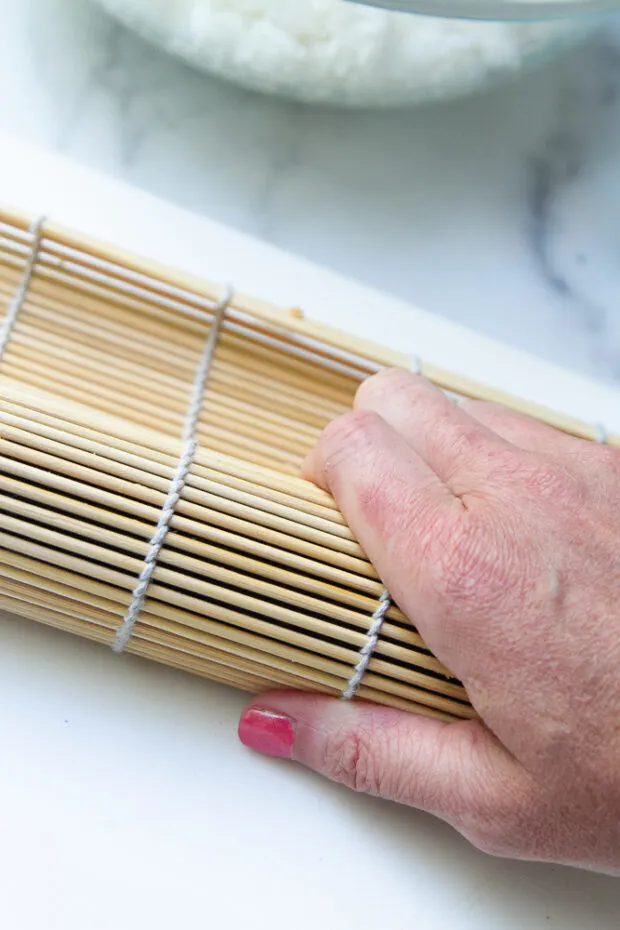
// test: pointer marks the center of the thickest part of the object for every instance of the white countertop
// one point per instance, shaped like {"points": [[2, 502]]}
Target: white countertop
{"points": [[125, 800], [501, 212]]}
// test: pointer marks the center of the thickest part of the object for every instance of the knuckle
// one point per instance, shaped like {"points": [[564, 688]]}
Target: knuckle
{"points": [[608, 459], [386, 381], [469, 563], [348, 435], [346, 441], [551, 482], [352, 759], [507, 467], [525, 480]]}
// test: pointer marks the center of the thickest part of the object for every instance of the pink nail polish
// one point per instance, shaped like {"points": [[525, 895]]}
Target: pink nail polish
{"points": [[268, 732]]}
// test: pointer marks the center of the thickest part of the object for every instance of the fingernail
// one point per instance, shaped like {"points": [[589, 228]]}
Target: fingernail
{"points": [[267, 732]]}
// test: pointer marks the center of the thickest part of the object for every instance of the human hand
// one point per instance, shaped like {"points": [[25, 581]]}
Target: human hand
{"points": [[499, 537]]}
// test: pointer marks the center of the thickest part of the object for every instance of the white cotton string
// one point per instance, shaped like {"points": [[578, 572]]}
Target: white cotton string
{"points": [[602, 437], [366, 653], [415, 364], [177, 484], [20, 296]]}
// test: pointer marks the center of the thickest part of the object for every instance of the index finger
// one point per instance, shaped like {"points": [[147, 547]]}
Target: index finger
{"points": [[395, 504]]}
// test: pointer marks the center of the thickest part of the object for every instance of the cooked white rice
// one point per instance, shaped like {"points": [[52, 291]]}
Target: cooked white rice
{"points": [[338, 52]]}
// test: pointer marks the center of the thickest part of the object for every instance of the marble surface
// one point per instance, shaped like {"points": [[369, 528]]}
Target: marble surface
{"points": [[501, 212]]}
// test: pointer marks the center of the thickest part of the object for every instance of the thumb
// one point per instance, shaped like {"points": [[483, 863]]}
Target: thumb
{"points": [[457, 771]]}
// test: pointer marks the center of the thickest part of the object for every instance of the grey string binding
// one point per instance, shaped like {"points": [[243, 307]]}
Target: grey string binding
{"points": [[179, 478], [367, 651], [22, 291], [602, 436]]}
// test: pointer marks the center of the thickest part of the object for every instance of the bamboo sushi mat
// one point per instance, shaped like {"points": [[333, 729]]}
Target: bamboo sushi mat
{"points": [[202, 550]]}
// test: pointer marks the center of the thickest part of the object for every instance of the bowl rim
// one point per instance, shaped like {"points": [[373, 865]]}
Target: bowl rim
{"points": [[497, 10]]}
